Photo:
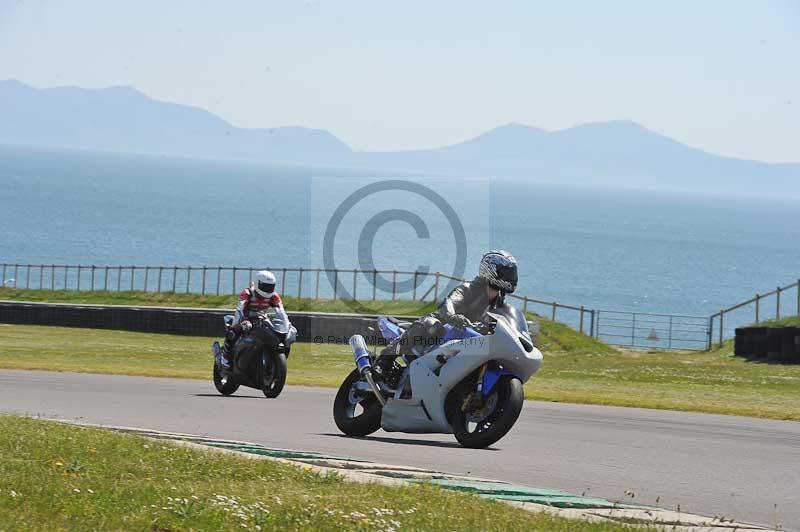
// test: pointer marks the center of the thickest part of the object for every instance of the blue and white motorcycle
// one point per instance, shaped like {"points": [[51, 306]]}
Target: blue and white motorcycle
{"points": [[468, 383]]}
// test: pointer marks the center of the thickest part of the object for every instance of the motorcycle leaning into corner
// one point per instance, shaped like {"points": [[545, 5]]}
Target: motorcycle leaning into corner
{"points": [[258, 359], [469, 384]]}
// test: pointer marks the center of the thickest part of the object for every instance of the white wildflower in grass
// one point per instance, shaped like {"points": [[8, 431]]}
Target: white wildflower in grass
{"points": [[14, 494], [278, 500], [76, 490], [90, 490]]}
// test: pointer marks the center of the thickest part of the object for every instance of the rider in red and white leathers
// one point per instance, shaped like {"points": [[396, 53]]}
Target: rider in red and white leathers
{"points": [[259, 296]]}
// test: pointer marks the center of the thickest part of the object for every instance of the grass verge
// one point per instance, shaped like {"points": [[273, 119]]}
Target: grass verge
{"points": [[59, 477], [694, 381]]}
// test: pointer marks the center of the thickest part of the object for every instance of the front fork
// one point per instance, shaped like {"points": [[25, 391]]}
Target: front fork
{"points": [[474, 399]]}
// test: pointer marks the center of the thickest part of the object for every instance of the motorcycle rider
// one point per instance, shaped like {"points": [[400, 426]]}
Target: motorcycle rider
{"points": [[466, 304], [259, 296]]}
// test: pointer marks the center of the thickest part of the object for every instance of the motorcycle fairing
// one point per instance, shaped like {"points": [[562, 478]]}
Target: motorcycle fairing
{"points": [[431, 381]]}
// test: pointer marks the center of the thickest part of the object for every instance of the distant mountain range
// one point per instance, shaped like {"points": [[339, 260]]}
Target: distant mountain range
{"points": [[618, 153]]}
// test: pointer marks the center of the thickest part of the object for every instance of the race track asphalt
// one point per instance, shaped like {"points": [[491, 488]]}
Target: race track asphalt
{"points": [[743, 468]]}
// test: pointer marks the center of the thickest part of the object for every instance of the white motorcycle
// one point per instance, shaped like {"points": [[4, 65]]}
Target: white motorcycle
{"points": [[468, 383]]}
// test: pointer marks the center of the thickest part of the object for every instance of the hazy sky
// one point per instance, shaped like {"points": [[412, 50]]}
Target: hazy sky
{"points": [[720, 75]]}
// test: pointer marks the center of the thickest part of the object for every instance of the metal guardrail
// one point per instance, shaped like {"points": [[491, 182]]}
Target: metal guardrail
{"points": [[657, 331], [634, 329]]}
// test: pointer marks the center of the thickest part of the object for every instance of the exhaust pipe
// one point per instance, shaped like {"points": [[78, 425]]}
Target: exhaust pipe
{"points": [[364, 365]]}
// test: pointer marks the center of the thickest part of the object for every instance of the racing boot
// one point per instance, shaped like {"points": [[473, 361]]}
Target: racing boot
{"points": [[221, 355], [385, 359]]}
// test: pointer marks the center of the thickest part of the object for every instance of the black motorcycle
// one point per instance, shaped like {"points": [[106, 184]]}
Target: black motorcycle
{"points": [[259, 356]]}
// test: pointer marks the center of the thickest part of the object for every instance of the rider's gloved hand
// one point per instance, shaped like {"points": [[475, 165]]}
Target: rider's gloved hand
{"points": [[459, 321], [246, 325]]}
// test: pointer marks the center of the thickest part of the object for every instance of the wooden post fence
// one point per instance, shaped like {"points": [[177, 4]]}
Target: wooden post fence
{"points": [[300, 283], [758, 301]]}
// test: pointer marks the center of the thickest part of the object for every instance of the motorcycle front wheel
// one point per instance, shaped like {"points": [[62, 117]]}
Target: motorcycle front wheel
{"points": [[224, 381], [482, 427], [356, 416], [273, 374]]}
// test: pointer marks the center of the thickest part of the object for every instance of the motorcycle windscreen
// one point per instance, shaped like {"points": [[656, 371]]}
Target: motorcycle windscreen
{"points": [[279, 319], [512, 316]]}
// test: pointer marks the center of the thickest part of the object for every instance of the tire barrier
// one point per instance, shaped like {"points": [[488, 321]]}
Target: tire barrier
{"points": [[774, 344], [318, 327]]}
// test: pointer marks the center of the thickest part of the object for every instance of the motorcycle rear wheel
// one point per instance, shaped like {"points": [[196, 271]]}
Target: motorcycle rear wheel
{"points": [[496, 423], [344, 410], [273, 374], [224, 382]]}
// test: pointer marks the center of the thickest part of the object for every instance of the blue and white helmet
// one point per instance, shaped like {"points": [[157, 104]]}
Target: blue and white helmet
{"points": [[499, 269]]}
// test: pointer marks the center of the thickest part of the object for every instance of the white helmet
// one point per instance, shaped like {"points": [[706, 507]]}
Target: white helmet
{"points": [[265, 283]]}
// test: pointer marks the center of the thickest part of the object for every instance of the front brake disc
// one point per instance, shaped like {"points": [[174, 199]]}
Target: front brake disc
{"points": [[479, 414]]}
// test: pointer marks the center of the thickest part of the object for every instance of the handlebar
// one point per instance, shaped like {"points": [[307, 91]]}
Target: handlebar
{"points": [[484, 327]]}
